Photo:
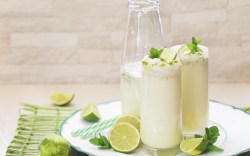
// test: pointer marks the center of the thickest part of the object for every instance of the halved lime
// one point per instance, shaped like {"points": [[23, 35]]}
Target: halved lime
{"points": [[61, 98], [168, 55], [193, 146], [90, 112], [130, 119], [124, 137]]}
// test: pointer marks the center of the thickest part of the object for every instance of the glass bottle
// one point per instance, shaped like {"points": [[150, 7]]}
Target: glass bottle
{"points": [[144, 31]]}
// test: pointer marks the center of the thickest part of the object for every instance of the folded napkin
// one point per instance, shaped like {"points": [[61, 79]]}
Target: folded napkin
{"points": [[34, 123]]}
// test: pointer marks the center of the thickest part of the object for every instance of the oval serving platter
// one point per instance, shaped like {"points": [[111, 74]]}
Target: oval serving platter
{"points": [[233, 123]]}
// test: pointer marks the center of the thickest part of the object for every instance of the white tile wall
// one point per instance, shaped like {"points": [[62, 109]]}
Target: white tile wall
{"points": [[80, 41]]}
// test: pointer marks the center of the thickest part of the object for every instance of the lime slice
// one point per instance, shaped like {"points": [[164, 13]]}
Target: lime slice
{"points": [[184, 50], [90, 112], [124, 137], [130, 119], [60, 99], [168, 55], [193, 146]]}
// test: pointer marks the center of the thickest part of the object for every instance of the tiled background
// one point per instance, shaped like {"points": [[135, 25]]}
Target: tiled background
{"points": [[79, 41]]}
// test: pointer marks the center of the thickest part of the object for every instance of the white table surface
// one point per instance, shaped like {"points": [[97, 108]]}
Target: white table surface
{"points": [[12, 95]]}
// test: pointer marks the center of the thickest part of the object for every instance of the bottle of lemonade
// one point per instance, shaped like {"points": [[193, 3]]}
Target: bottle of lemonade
{"points": [[195, 108], [144, 31], [161, 104]]}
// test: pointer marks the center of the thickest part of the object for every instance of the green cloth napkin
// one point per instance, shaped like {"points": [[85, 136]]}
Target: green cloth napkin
{"points": [[34, 123]]}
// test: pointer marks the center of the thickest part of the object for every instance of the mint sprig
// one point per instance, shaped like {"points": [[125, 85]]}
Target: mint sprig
{"points": [[102, 142], [212, 134], [193, 47], [155, 53]]}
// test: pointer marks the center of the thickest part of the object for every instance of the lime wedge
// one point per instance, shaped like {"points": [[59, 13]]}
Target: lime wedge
{"points": [[130, 119], [90, 112], [193, 146], [60, 99], [124, 137], [168, 55]]}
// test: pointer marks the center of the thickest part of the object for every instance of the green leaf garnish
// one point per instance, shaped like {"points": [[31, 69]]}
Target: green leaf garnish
{"points": [[193, 47], [195, 41], [95, 141], [101, 142], [213, 148], [155, 53], [212, 134]]}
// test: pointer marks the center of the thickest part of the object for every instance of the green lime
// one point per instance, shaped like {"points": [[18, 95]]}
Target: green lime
{"points": [[54, 145], [90, 112], [124, 137], [60, 98], [168, 55], [130, 119], [193, 146], [184, 50]]}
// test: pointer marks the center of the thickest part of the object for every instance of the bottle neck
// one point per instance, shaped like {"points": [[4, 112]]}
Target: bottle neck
{"points": [[143, 4]]}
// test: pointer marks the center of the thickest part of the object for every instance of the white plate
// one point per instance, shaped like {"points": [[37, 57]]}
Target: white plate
{"points": [[233, 123]]}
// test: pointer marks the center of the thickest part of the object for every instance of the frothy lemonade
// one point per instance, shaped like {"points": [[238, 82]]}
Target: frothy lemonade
{"points": [[161, 105], [131, 88], [195, 108]]}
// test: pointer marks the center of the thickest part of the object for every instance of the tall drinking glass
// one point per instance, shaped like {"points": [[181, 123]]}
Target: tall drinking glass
{"points": [[195, 107]]}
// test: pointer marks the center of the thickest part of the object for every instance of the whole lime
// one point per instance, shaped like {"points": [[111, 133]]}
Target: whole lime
{"points": [[54, 145]]}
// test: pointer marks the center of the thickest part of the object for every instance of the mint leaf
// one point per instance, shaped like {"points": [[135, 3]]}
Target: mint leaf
{"points": [[198, 136], [105, 141], [104, 147], [213, 148], [101, 142], [212, 134], [193, 47], [155, 53], [195, 41], [95, 141]]}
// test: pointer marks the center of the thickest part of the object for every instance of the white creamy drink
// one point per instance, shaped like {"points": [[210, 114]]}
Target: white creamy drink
{"points": [[161, 104], [131, 88], [195, 108]]}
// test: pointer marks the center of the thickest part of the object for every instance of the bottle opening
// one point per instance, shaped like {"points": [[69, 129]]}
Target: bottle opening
{"points": [[143, 4]]}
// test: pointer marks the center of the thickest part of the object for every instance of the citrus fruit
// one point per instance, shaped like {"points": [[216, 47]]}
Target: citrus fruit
{"points": [[168, 55], [193, 146], [124, 137], [60, 98], [130, 119], [90, 112], [54, 145], [184, 50]]}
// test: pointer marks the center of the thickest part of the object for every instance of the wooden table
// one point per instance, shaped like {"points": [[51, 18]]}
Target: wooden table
{"points": [[12, 95]]}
